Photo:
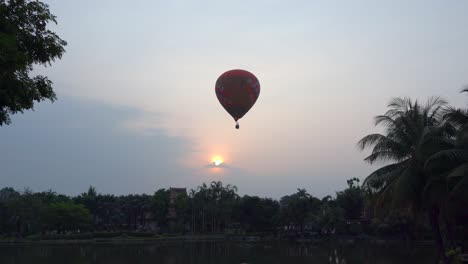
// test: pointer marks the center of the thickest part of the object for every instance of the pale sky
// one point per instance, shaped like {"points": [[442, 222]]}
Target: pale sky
{"points": [[137, 110]]}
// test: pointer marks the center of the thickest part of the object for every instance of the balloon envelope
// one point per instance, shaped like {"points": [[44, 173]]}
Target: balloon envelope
{"points": [[237, 91]]}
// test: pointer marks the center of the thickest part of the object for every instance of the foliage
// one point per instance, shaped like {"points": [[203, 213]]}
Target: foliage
{"points": [[66, 215], [331, 217], [257, 214], [212, 207], [296, 208], [426, 145], [351, 200], [160, 206], [25, 41]]}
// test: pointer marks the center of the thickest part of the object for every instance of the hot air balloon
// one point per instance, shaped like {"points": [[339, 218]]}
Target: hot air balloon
{"points": [[237, 91]]}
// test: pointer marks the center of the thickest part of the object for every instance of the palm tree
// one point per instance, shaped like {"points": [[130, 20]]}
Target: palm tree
{"points": [[458, 155], [451, 165], [413, 133]]}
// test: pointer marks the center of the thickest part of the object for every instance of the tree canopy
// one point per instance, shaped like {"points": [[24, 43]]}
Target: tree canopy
{"points": [[25, 41]]}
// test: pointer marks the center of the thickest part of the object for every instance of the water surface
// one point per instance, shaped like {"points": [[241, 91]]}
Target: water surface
{"points": [[215, 252]]}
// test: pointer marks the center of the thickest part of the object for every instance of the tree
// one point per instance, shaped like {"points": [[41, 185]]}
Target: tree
{"points": [[455, 159], [331, 216], [212, 206], [450, 166], [90, 201], [257, 214], [413, 133], [25, 212], [7, 195], [296, 208], [66, 216], [351, 200], [25, 41], [182, 209], [134, 207], [160, 206]]}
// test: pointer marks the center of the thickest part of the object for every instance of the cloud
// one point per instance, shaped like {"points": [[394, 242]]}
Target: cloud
{"points": [[213, 165], [71, 144], [225, 166]]}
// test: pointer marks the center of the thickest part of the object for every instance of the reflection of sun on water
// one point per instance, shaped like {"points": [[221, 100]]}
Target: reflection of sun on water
{"points": [[217, 160]]}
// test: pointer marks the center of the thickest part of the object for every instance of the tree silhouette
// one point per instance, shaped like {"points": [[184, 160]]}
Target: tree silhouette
{"points": [[413, 133], [25, 41]]}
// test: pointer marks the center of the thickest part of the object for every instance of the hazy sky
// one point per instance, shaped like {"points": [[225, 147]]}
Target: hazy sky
{"points": [[137, 109]]}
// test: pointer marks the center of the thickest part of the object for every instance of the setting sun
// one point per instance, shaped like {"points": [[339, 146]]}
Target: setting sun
{"points": [[217, 160]]}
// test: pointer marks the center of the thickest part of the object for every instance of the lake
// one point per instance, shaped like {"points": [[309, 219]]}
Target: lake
{"points": [[215, 252]]}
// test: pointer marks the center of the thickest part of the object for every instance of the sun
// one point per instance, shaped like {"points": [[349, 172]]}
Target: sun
{"points": [[217, 160]]}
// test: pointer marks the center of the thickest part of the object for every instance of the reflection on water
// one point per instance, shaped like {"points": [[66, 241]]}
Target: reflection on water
{"points": [[214, 252]]}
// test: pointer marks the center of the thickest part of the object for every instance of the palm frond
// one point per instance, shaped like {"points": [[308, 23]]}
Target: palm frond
{"points": [[385, 120], [460, 171], [437, 139], [390, 145], [434, 110], [456, 116], [449, 130], [433, 104], [383, 156], [408, 128], [447, 156], [370, 140], [400, 103], [384, 175], [399, 106], [384, 199], [436, 114]]}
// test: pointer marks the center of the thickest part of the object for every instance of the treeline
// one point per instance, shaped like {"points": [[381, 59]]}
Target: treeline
{"points": [[213, 208], [208, 209]]}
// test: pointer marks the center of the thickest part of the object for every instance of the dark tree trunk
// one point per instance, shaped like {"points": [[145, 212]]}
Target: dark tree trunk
{"points": [[434, 219]]}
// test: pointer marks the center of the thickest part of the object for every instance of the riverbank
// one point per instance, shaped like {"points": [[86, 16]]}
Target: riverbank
{"points": [[124, 238]]}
